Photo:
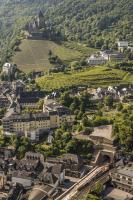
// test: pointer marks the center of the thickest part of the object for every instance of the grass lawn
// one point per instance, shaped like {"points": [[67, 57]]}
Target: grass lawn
{"points": [[33, 54], [95, 76]]}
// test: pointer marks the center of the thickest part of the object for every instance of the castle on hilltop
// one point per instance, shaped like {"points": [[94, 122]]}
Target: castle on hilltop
{"points": [[40, 29], [36, 27]]}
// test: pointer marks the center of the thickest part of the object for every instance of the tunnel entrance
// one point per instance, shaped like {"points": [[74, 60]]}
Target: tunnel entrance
{"points": [[106, 159]]}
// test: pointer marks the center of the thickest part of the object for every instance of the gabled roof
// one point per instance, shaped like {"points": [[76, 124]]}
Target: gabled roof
{"points": [[40, 192], [22, 174], [50, 178], [27, 117], [28, 100], [72, 157], [32, 94], [33, 155]]}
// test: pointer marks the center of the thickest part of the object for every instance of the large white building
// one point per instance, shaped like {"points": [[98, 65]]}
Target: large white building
{"points": [[122, 45], [96, 60], [7, 68]]}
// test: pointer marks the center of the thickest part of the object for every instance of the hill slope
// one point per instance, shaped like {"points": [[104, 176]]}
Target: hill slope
{"points": [[98, 22], [14, 14], [95, 76], [33, 54]]}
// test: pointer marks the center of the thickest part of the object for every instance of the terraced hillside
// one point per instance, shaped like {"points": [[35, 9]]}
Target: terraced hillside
{"points": [[97, 76]]}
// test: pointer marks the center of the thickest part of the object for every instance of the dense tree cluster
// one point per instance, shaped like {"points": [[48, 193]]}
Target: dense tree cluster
{"points": [[54, 59], [96, 192], [122, 121], [20, 144], [80, 105], [123, 128], [98, 23], [64, 143], [125, 65]]}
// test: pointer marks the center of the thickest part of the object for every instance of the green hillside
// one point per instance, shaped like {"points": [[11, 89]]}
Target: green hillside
{"points": [[14, 14], [95, 76], [99, 22], [33, 54]]}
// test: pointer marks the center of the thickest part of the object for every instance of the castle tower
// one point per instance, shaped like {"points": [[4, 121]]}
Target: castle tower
{"points": [[40, 20]]}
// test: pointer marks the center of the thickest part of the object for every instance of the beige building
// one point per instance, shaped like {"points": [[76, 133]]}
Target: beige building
{"points": [[17, 123], [58, 113], [103, 139], [122, 177], [102, 135], [122, 45], [48, 119]]}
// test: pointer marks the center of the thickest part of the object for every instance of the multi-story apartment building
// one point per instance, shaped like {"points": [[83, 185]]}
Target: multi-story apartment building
{"points": [[58, 113], [48, 119], [122, 177], [17, 123]]}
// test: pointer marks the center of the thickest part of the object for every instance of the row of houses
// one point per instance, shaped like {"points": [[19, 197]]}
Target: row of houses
{"points": [[118, 93], [39, 176]]}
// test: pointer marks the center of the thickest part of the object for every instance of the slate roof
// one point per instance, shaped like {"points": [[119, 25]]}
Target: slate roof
{"points": [[33, 94], [28, 100], [126, 171], [27, 117], [40, 14], [27, 164], [22, 174]]}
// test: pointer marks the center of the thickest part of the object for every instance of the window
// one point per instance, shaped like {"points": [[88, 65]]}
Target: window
{"points": [[129, 179], [123, 178]]}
